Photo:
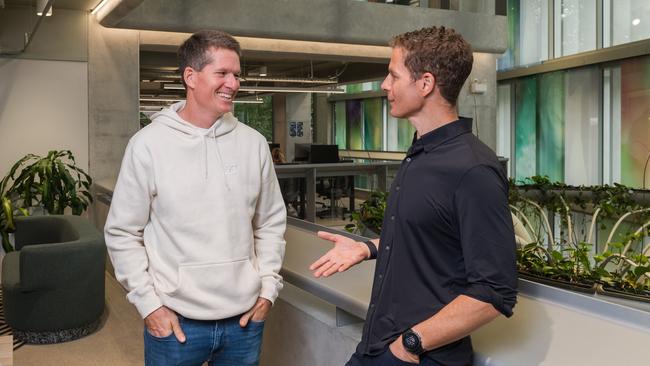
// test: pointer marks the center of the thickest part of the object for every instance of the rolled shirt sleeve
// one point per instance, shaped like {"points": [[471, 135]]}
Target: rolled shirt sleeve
{"points": [[487, 238]]}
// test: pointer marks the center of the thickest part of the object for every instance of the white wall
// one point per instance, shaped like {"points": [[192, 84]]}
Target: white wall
{"points": [[43, 106]]}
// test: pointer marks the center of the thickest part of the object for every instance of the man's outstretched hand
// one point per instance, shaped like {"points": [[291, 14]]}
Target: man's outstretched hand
{"points": [[345, 254]]}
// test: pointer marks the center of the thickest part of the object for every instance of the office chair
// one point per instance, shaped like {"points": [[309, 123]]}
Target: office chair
{"points": [[333, 189]]}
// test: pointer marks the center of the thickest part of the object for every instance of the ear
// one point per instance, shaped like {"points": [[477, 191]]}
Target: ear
{"points": [[188, 76], [428, 84]]}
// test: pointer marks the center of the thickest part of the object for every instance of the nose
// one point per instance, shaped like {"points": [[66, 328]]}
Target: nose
{"points": [[384, 84], [232, 82]]}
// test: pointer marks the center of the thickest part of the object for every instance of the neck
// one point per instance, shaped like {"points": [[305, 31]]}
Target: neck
{"points": [[197, 117], [433, 117]]}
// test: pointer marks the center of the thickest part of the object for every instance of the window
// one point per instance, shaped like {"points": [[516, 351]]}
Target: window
{"points": [[556, 125], [628, 88], [626, 21], [258, 116]]}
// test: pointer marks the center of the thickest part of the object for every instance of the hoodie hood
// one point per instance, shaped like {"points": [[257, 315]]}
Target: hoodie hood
{"points": [[170, 118], [225, 124]]}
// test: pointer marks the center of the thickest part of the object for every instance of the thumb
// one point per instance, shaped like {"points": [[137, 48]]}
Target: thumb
{"points": [[243, 321], [178, 331]]}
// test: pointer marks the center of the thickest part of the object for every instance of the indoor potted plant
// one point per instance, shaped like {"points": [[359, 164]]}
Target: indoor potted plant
{"points": [[53, 182], [367, 221]]}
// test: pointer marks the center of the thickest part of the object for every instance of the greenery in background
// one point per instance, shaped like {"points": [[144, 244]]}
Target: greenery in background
{"points": [[258, 116], [623, 264], [370, 215], [7, 214], [144, 120], [53, 182]]}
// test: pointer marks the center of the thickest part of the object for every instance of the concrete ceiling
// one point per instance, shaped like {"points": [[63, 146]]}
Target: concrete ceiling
{"points": [[293, 38], [58, 4]]}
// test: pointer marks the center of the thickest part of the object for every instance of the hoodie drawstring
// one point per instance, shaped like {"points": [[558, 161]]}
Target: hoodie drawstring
{"points": [[205, 157], [223, 167]]}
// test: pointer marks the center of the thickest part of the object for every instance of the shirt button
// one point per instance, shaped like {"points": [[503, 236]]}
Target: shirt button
{"points": [[392, 217], [387, 247], [372, 305], [380, 276], [408, 160], [397, 188]]}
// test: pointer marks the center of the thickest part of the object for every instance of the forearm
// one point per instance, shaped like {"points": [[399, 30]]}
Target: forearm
{"points": [[269, 226], [458, 319]]}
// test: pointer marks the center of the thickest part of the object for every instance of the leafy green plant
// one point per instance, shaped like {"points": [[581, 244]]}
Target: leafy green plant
{"points": [[370, 214], [620, 265], [7, 213], [53, 181]]}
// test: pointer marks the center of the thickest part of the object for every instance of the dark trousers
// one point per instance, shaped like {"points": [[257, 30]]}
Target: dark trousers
{"points": [[385, 359]]}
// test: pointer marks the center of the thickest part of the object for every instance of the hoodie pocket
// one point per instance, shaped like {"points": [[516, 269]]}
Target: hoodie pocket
{"points": [[226, 286]]}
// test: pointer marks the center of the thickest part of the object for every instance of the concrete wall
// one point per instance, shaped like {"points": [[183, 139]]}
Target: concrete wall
{"points": [[43, 106], [298, 109], [43, 91], [113, 105], [482, 107]]}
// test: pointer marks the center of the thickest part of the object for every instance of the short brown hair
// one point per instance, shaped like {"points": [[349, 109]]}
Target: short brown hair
{"points": [[194, 51], [440, 51]]}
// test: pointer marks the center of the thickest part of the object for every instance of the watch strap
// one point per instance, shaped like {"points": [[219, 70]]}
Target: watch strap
{"points": [[373, 249]]}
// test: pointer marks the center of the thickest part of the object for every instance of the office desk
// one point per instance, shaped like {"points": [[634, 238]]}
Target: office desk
{"points": [[310, 172]]}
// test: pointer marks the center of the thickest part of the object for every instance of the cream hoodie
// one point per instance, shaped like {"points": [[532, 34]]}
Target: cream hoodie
{"points": [[197, 219]]}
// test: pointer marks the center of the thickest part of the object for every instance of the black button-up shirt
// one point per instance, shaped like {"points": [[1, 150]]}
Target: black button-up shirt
{"points": [[447, 232]]}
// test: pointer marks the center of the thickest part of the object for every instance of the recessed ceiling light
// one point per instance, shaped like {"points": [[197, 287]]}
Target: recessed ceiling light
{"points": [[636, 21]]}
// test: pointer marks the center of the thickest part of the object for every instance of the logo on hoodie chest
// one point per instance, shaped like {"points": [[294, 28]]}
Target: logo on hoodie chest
{"points": [[230, 169]]}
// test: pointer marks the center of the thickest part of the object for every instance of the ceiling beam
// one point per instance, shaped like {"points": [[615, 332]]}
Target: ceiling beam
{"points": [[336, 21]]}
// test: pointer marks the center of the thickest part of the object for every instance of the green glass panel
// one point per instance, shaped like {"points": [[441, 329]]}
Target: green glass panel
{"points": [[354, 88], [258, 116], [635, 125], [340, 125], [550, 126], [525, 127], [405, 131], [507, 61], [354, 124], [373, 123]]}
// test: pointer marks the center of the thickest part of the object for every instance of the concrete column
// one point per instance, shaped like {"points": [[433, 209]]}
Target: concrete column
{"points": [[298, 111], [481, 107], [323, 120], [113, 93], [280, 120]]}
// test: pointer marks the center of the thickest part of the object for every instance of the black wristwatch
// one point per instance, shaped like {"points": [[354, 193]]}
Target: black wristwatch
{"points": [[412, 342]]}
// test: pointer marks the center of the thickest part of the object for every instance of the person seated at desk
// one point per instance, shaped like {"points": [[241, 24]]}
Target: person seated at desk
{"points": [[288, 186], [278, 156]]}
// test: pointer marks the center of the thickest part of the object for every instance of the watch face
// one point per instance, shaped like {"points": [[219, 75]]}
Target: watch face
{"points": [[411, 341]]}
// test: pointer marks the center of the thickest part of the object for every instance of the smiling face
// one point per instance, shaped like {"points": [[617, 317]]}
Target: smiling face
{"points": [[214, 87], [402, 92]]}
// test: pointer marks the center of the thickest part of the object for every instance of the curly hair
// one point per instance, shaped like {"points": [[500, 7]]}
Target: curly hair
{"points": [[194, 51], [440, 51]]}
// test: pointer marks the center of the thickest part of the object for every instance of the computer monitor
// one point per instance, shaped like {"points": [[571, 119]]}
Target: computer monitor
{"points": [[301, 152], [324, 154]]}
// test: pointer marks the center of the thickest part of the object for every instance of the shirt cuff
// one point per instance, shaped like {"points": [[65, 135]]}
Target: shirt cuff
{"points": [[488, 295], [145, 303], [270, 289]]}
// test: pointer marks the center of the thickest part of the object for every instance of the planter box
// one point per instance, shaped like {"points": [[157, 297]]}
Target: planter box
{"points": [[587, 288]]}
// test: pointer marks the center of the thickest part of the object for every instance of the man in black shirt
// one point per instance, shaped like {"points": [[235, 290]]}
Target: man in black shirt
{"points": [[446, 255]]}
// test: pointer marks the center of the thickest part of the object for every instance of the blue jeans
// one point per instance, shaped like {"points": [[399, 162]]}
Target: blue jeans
{"points": [[220, 343]]}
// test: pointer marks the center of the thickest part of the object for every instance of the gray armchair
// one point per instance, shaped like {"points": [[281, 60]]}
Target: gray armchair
{"points": [[53, 284]]}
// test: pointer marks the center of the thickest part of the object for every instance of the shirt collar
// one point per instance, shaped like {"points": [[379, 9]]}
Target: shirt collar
{"points": [[432, 139]]}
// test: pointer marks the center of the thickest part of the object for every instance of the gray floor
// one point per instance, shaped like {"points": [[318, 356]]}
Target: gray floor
{"points": [[117, 342]]}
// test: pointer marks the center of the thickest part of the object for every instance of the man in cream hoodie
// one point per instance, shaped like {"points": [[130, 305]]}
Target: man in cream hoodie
{"points": [[196, 225]]}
